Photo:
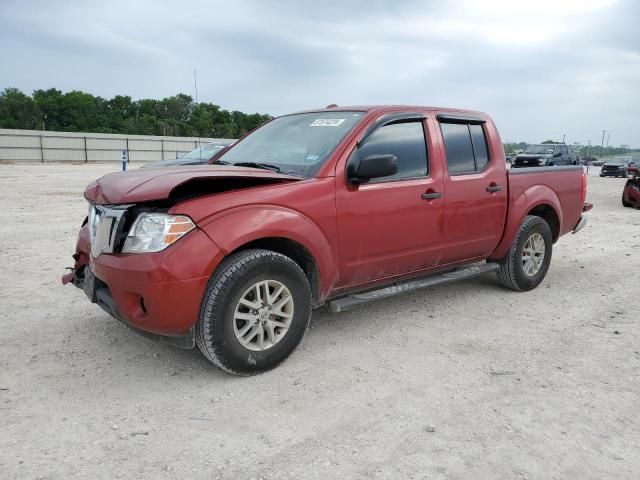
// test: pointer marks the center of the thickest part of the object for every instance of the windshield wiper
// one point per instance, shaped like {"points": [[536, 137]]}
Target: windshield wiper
{"points": [[264, 166]]}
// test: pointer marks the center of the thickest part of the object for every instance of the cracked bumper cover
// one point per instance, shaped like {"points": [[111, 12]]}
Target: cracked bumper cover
{"points": [[156, 294]]}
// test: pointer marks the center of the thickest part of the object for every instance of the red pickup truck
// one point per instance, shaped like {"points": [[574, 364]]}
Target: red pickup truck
{"points": [[336, 206]]}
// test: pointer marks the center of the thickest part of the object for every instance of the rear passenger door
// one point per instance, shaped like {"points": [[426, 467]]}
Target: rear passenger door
{"points": [[475, 190]]}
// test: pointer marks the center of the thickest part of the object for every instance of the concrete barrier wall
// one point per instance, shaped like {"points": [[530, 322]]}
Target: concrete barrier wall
{"points": [[18, 146]]}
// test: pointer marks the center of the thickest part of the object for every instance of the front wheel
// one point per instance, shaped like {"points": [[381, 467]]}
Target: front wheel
{"points": [[527, 262], [255, 311]]}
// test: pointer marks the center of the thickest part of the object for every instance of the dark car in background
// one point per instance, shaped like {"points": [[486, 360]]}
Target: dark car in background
{"points": [[620, 167], [198, 156], [545, 155]]}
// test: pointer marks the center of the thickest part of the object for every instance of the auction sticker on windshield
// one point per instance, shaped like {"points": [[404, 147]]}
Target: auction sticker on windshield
{"points": [[327, 122]]}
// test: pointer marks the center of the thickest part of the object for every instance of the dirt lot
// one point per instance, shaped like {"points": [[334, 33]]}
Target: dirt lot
{"points": [[463, 381]]}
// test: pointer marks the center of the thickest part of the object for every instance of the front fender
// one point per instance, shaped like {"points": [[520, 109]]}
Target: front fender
{"points": [[234, 228], [521, 203]]}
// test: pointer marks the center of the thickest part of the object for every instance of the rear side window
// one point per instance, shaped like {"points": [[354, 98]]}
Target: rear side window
{"points": [[465, 146], [479, 146], [457, 143], [404, 140]]}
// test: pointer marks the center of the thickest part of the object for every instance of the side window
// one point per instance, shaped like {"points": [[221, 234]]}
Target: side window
{"points": [[465, 146], [457, 144], [564, 150], [404, 140], [479, 146]]}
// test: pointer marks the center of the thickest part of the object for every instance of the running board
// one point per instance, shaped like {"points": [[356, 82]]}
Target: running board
{"points": [[474, 270]]}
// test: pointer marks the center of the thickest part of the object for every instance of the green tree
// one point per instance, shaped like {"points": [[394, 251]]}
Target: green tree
{"points": [[18, 110], [49, 102], [77, 111]]}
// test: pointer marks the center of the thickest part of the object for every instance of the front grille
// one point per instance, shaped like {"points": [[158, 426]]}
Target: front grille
{"points": [[106, 225]]}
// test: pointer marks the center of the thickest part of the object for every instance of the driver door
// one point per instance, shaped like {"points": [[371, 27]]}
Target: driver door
{"points": [[392, 225]]}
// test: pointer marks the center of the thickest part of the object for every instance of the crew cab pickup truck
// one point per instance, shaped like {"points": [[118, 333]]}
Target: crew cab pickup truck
{"points": [[545, 154], [337, 206]]}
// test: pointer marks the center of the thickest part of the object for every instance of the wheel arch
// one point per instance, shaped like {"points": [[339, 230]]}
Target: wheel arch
{"points": [[296, 252], [538, 200], [549, 214], [282, 230]]}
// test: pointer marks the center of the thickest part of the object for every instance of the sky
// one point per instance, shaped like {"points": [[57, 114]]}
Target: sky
{"points": [[542, 69]]}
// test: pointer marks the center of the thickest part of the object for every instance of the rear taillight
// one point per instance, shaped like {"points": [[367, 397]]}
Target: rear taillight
{"points": [[584, 187]]}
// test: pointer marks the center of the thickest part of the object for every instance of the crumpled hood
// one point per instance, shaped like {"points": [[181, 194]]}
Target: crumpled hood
{"points": [[146, 185]]}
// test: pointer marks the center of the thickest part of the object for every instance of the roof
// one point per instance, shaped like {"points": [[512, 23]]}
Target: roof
{"points": [[389, 108]]}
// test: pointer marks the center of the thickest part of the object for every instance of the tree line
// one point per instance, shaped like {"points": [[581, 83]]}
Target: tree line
{"points": [[78, 111]]}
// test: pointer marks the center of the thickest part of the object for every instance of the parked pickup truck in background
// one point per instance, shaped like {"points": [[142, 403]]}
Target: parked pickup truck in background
{"points": [[545, 155], [337, 206]]}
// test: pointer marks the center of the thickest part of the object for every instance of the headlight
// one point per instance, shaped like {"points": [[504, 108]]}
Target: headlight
{"points": [[542, 161], [153, 232]]}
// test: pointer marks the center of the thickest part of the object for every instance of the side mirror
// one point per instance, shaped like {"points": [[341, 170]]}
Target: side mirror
{"points": [[373, 166]]}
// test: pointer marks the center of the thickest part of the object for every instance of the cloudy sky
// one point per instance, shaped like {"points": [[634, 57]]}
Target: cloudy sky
{"points": [[541, 68]]}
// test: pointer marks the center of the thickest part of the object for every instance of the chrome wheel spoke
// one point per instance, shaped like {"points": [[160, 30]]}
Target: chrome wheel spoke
{"points": [[250, 317], [249, 303], [245, 329], [261, 337], [271, 335], [276, 323], [258, 293], [254, 331]]}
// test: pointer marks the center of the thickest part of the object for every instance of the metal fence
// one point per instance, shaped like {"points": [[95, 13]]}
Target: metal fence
{"points": [[18, 146]]}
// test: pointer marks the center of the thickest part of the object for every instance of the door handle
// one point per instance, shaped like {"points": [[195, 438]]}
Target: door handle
{"points": [[493, 188], [431, 195]]}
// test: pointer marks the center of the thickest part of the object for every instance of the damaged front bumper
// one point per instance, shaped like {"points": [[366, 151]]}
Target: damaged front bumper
{"points": [[157, 294]]}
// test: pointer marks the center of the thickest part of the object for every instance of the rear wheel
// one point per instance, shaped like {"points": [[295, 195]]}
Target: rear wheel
{"points": [[527, 262], [254, 313]]}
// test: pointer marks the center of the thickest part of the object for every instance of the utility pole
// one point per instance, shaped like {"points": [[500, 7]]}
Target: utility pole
{"points": [[563, 137], [608, 135], [602, 143], [195, 83]]}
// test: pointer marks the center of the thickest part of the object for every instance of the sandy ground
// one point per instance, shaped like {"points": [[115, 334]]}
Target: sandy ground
{"points": [[462, 381]]}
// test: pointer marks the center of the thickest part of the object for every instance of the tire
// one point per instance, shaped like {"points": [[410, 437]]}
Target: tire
{"points": [[512, 272], [234, 282]]}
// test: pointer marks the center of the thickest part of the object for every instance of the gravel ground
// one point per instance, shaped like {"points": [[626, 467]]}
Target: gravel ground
{"points": [[461, 381]]}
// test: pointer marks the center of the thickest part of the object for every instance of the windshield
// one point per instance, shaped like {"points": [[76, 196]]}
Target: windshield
{"points": [[618, 161], [296, 144], [204, 152], [539, 149]]}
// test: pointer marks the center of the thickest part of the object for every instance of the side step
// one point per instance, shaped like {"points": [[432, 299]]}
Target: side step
{"points": [[474, 270]]}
